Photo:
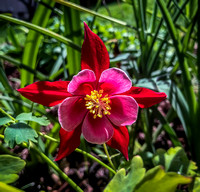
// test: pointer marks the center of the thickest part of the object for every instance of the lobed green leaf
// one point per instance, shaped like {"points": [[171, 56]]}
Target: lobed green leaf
{"points": [[127, 183], [29, 117], [157, 180], [4, 120], [19, 133], [176, 160], [9, 166], [7, 188], [196, 187]]}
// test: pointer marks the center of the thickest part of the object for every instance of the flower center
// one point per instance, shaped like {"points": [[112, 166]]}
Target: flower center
{"points": [[98, 104]]}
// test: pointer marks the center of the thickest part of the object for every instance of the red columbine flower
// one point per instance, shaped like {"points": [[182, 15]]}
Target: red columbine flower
{"points": [[96, 105], [98, 102]]}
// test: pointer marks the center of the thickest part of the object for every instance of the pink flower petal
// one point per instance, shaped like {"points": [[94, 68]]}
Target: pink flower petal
{"points": [[114, 81], [69, 141], [120, 140], [145, 97], [94, 55], [71, 112], [124, 110], [82, 83], [46, 93], [97, 131]]}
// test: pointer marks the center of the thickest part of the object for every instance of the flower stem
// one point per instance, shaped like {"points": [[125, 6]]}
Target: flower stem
{"points": [[77, 150], [108, 156], [47, 136], [95, 159], [5, 113], [1, 136], [56, 168]]}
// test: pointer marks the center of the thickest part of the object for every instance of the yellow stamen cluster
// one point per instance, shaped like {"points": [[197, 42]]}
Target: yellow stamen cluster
{"points": [[98, 104]]}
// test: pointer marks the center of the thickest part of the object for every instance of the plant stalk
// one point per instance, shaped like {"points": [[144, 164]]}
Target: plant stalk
{"points": [[108, 156]]}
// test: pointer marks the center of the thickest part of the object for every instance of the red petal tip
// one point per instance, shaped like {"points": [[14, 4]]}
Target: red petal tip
{"points": [[94, 55]]}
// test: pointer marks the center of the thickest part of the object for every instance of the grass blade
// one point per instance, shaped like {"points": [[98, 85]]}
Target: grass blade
{"points": [[83, 9], [33, 41], [169, 130], [73, 31], [38, 74], [42, 31], [191, 98]]}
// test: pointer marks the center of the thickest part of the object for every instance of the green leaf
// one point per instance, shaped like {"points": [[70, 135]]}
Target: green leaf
{"points": [[73, 30], [38, 74], [166, 126], [119, 58], [190, 94], [19, 133], [174, 95], [192, 8], [30, 117], [196, 187], [83, 9], [9, 166], [7, 188], [175, 159], [41, 30], [34, 39], [126, 183], [4, 120], [157, 180], [10, 178], [4, 79]]}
